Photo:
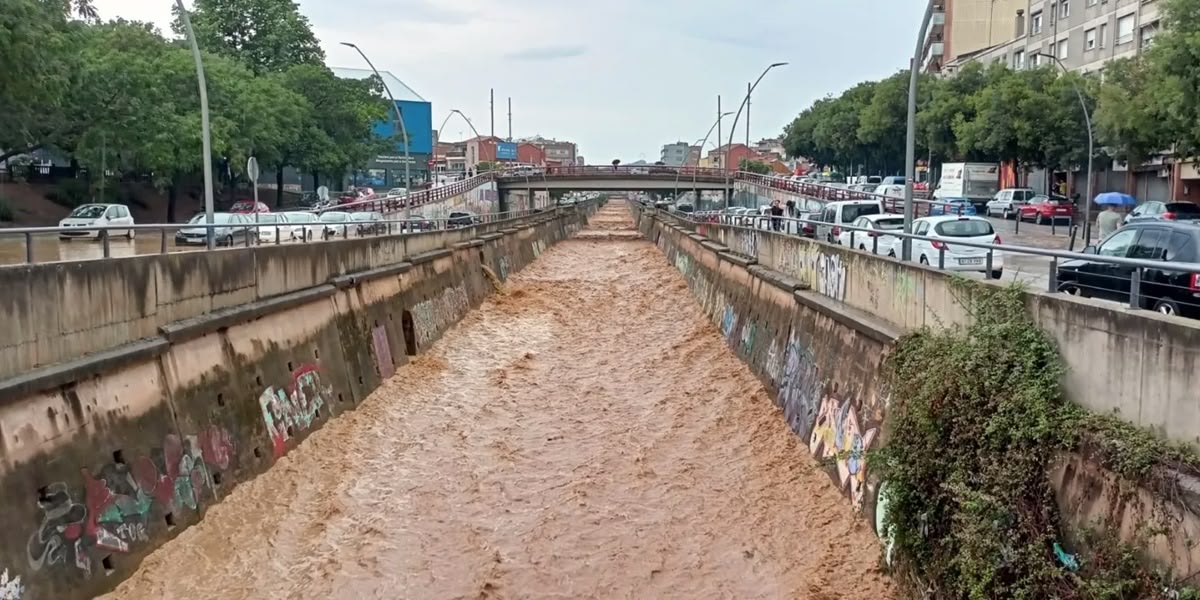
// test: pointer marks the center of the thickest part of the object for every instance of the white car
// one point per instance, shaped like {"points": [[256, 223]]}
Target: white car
{"points": [[1007, 202], [270, 227], [96, 215], [945, 230], [845, 212], [337, 224], [303, 226], [874, 240]]}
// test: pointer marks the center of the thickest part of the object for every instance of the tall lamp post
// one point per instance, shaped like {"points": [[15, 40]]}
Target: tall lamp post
{"points": [[703, 141], [455, 111], [399, 119], [205, 129], [910, 141], [1087, 119], [733, 127]]}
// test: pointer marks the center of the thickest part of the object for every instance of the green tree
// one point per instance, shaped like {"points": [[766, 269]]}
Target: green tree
{"points": [[754, 166], [950, 102], [1128, 114], [266, 35]]}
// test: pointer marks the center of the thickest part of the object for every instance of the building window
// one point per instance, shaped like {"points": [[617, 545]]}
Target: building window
{"points": [[1019, 59], [1089, 39], [1062, 49], [1035, 23], [1035, 60], [1093, 2], [1148, 33], [1125, 29], [1103, 35], [1064, 9]]}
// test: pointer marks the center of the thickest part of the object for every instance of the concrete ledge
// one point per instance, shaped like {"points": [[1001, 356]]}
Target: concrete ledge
{"points": [[373, 274], [21, 386], [855, 319], [737, 259], [697, 237], [471, 243], [777, 279], [195, 327], [509, 230], [487, 237], [714, 246], [432, 255]]}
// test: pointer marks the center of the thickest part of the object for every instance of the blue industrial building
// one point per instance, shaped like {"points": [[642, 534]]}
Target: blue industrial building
{"points": [[387, 170]]}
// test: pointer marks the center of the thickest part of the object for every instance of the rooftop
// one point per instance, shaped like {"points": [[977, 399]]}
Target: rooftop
{"points": [[399, 89]]}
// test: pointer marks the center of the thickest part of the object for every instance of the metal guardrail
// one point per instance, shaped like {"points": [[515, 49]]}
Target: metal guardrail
{"points": [[626, 171], [1142, 292], [250, 234], [387, 204]]}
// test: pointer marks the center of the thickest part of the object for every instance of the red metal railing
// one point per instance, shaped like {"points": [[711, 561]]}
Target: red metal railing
{"points": [[388, 204], [829, 193], [617, 171]]}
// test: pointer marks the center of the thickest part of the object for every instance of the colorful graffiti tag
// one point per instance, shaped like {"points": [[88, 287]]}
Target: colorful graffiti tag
{"points": [[831, 276], [747, 342], [839, 434], [437, 314], [287, 410], [728, 322], [119, 497], [799, 387], [10, 589]]}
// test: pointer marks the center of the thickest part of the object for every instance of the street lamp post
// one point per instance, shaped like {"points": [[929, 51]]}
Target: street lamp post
{"points": [[695, 169], [399, 119], [1087, 119], [205, 129], [455, 111], [733, 128], [910, 141]]}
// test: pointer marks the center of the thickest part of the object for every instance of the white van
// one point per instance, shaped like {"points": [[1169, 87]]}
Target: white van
{"points": [[977, 182], [836, 214]]}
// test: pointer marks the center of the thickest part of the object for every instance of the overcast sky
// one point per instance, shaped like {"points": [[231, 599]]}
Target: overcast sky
{"points": [[620, 77]]}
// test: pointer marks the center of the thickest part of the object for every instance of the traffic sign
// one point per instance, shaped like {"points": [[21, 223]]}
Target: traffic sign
{"points": [[252, 169]]}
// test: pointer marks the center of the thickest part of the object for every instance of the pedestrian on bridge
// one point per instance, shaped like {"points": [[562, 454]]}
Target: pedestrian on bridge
{"points": [[776, 215]]}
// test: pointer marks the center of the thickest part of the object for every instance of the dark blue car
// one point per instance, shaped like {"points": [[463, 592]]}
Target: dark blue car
{"points": [[952, 206]]}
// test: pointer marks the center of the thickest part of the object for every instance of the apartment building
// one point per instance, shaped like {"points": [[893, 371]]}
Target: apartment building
{"points": [[675, 154], [1082, 34], [557, 152]]}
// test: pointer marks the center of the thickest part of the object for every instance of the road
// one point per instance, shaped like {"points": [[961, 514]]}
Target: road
{"points": [[586, 433]]}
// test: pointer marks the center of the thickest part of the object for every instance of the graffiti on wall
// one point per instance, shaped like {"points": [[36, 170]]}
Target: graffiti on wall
{"points": [[773, 363], [10, 589], [831, 276], [294, 408], [746, 345], [745, 242], [800, 386], [538, 248], [840, 433], [118, 499], [432, 316], [728, 322], [503, 268], [823, 272]]}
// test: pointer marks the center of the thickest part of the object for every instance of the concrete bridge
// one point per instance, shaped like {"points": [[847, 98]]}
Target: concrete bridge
{"points": [[555, 404]]}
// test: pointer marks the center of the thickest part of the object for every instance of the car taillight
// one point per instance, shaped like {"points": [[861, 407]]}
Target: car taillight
{"points": [[996, 241], [837, 230], [939, 245], [1195, 282], [1169, 215]]}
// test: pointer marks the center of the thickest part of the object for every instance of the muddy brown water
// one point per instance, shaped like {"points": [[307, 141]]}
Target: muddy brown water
{"points": [[584, 434]]}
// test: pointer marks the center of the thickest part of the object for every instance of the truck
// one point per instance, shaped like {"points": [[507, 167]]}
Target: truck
{"points": [[977, 182]]}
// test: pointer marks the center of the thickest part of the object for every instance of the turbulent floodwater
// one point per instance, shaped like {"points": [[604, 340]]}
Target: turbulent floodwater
{"points": [[585, 434]]}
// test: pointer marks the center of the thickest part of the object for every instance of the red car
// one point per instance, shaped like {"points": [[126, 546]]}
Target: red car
{"points": [[1042, 209], [249, 207]]}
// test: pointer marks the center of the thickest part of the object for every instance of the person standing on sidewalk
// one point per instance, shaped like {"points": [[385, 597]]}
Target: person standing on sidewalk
{"points": [[1108, 221]]}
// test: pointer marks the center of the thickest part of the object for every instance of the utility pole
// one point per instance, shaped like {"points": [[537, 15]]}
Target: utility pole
{"points": [[718, 134], [492, 104], [510, 118]]}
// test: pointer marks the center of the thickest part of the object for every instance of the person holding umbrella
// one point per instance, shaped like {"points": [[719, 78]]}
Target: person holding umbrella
{"points": [[1109, 220]]}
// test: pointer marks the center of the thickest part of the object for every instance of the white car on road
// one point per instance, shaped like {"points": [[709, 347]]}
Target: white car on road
{"points": [[270, 227], [96, 215], [945, 230], [337, 224], [876, 239], [303, 226]]}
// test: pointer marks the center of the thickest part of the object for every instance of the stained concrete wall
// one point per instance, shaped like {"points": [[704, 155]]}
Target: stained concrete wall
{"points": [[1137, 363], [819, 358], [113, 455]]}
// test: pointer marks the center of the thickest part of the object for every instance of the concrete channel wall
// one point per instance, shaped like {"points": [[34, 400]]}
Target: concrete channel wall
{"points": [[815, 321], [190, 373]]}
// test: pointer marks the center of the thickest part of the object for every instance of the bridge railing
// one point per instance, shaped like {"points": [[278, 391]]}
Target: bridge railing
{"points": [[619, 171], [388, 204], [922, 205]]}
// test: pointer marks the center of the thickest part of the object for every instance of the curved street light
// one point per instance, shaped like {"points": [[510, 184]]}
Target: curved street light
{"points": [[910, 139], [733, 127], [455, 111], [703, 141], [1087, 119], [205, 129], [399, 118]]}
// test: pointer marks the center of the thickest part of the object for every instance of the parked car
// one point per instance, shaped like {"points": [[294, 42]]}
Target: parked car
{"points": [[808, 228], [835, 214], [301, 225], [1164, 290], [369, 223], [1155, 210], [952, 206], [945, 230], [461, 218], [249, 207], [1006, 202], [417, 224], [269, 227], [228, 229], [337, 224], [96, 215], [1041, 209], [877, 224]]}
